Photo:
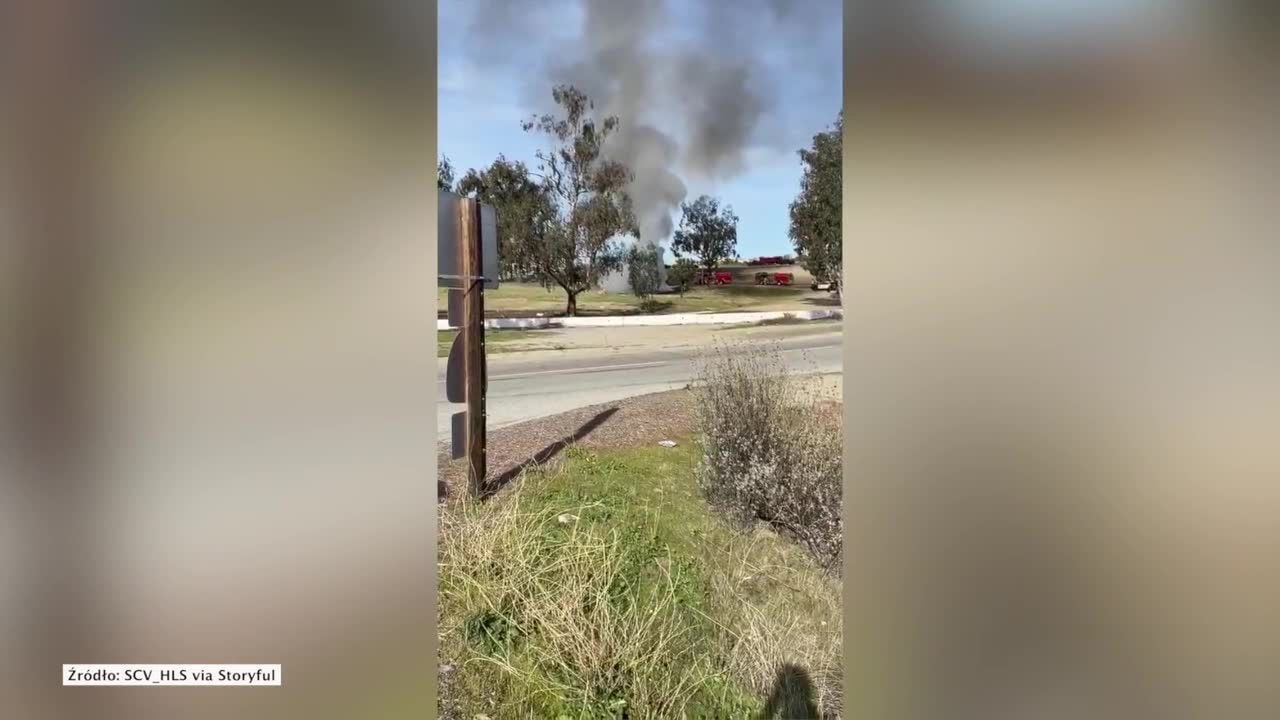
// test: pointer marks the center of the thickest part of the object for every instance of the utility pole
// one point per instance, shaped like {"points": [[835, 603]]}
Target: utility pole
{"points": [[470, 261]]}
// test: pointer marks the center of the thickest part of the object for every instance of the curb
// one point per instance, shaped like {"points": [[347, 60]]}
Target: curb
{"points": [[704, 318]]}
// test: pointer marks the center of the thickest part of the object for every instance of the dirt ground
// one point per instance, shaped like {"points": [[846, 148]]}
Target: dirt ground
{"points": [[625, 423], [633, 422]]}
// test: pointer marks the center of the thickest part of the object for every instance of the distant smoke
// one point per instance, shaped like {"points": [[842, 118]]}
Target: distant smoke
{"points": [[622, 75], [690, 106], [656, 190]]}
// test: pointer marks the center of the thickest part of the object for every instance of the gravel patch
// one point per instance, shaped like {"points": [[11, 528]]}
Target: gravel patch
{"points": [[631, 422]]}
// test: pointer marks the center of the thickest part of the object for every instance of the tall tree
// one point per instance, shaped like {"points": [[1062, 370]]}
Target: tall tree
{"points": [[707, 231], [589, 205], [523, 208], [815, 214], [444, 173]]}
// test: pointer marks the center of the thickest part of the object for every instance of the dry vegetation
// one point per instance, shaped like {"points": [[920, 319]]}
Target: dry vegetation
{"points": [[768, 451]]}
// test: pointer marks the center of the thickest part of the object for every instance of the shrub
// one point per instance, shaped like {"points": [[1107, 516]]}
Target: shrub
{"points": [[769, 453], [643, 271], [680, 276]]}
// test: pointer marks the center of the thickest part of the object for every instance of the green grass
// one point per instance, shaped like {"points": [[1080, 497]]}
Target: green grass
{"points": [[818, 325], [495, 341], [526, 298], [606, 585]]}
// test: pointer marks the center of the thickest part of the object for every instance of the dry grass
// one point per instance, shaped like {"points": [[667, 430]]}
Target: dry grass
{"points": [[778, 609]]}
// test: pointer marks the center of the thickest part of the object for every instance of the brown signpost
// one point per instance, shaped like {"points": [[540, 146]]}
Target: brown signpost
{"points": [[467, 259], [471, 265]]}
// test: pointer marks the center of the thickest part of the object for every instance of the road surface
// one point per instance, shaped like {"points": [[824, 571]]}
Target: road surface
{"points": [[525, 386]]}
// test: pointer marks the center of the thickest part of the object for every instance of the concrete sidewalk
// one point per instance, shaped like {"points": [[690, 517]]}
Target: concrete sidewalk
{"points": [[613, 341], [725, 318]]}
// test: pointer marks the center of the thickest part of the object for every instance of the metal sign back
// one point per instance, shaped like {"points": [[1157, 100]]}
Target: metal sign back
{"points": [[458, 448], [455, 385], [447, 263]]}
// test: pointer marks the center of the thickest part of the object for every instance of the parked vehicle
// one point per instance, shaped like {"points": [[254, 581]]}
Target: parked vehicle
{"points": [[718, 277], [764, 278]]}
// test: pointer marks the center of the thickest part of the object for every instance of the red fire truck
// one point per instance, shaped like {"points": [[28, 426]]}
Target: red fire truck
{"points": [[714, 277], [765, 278]]}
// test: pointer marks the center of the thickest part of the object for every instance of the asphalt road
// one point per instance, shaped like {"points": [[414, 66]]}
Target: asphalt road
{"points": [[535, 385]]}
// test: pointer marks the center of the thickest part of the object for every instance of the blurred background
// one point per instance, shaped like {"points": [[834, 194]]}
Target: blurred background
{"points": [[217, 264], [1064, 300]]}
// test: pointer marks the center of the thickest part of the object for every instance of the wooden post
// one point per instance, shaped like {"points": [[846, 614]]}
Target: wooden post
{"points": [[471, 268]]}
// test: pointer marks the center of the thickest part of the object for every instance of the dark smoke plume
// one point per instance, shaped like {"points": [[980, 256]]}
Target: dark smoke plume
{"points": [[691, 104]]}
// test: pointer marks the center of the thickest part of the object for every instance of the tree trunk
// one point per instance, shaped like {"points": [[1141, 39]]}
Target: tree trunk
{"points": [[571, 309]]}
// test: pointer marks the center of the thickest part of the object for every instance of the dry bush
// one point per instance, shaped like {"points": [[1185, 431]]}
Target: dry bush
{"points": [[770, 451]]}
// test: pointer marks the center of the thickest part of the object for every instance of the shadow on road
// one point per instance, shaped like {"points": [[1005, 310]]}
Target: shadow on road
{"points": [[550, 451], [793, 696]]}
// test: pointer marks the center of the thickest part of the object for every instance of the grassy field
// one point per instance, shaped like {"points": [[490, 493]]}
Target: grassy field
{"points": [[522, 298], [605, 587]]}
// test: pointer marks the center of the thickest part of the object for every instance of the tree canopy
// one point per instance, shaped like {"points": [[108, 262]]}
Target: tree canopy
{"points": [[681, 274], [815, 213], [644, 273], [523, 208], [444, 173], [708, 231], [587, 204]]}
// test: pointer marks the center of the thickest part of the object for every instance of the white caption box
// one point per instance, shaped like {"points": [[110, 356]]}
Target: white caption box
{"points": [[162, 675]]}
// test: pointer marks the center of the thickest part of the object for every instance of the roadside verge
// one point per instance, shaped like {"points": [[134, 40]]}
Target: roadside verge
{"points": [[727, 318]]}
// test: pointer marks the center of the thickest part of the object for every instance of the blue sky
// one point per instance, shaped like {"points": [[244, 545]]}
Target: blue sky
{"points": [[484, 94]]}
